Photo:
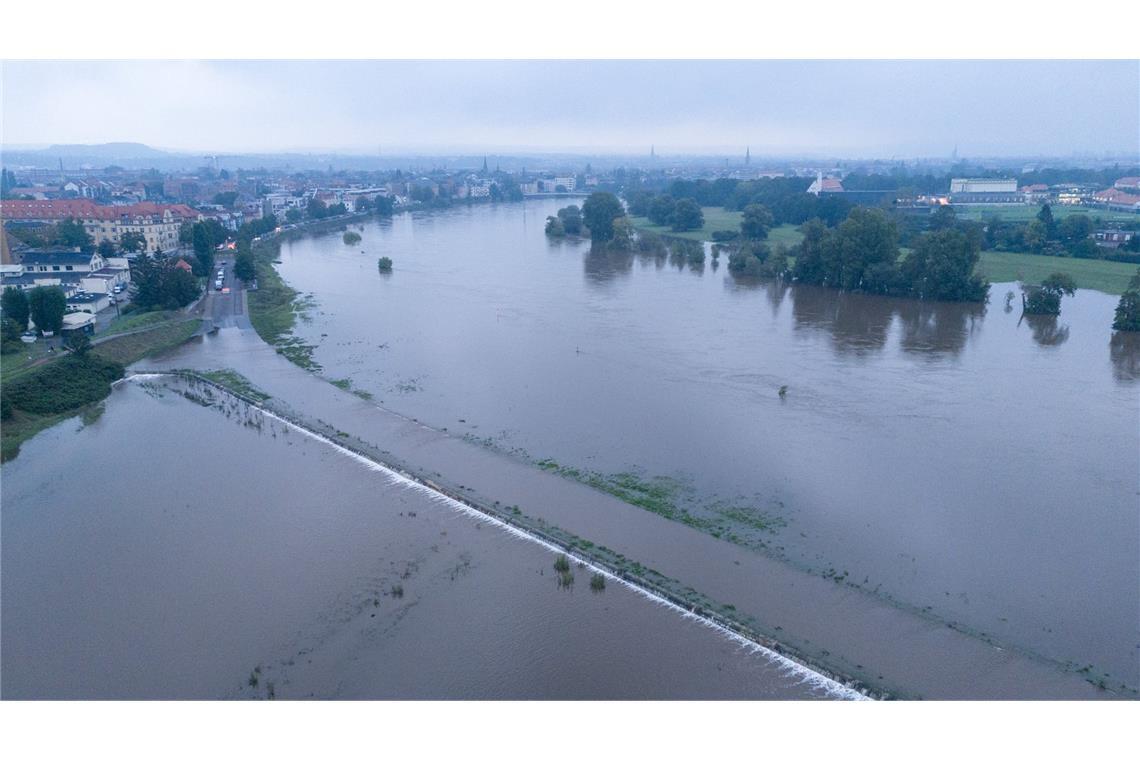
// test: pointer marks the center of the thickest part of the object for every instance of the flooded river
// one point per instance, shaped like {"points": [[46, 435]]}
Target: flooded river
{"points": [[943, 503], [953, 458], [233, 556]]}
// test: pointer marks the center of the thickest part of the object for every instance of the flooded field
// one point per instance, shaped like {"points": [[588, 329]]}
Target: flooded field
{"points": [[184, 545], [953, 458]]}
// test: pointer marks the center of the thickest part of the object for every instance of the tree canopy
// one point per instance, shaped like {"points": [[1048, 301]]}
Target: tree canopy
{"points": [[687, 215], [862, 254], [599, 212], [1128, 310], [14, 304], [47, 306], [756, 221], [1046, 297], [158, 283]]}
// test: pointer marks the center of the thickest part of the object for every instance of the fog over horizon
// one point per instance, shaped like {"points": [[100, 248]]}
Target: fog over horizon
{"points": [[863, 109]]}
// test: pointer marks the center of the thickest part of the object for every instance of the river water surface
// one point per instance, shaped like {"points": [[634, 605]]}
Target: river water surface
{"points": [[232, 556], [954, 458]]}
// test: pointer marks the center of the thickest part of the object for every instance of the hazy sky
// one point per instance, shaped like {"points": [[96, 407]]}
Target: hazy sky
{"points": [[776, 107]]}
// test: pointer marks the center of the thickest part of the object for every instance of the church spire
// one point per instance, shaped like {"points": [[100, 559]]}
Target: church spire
{"points": [[747, 155]]}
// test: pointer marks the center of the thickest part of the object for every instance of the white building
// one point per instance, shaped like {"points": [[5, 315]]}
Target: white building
{"points": [[965, 185]]}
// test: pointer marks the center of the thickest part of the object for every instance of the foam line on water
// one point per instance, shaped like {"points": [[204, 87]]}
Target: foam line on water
{"points": [[806, 675]]}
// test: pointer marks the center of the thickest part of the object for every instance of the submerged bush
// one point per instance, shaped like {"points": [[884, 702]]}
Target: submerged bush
{"points": [[351, 238], [562, 564], [385, 264], [597, 582]]}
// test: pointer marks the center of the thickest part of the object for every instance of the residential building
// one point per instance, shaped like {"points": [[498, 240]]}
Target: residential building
{"points": [[159, 224], [71, 270], [1117, 200], [1112, 238]]}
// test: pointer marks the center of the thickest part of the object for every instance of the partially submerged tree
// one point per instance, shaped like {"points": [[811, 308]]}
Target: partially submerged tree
{"points": [[599, 212], [554, 227], [571, 218], [1046, 297], [1128, 310]]}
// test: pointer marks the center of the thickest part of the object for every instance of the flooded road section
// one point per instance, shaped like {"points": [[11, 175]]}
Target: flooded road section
{"points": [[846, 629], [175, 550]]}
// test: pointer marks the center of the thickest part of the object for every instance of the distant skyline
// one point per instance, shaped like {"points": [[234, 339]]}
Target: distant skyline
{"points": [[867, 109]]}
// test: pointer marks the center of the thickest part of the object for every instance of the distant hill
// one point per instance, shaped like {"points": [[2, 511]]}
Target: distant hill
{"points": [[105, 151]]}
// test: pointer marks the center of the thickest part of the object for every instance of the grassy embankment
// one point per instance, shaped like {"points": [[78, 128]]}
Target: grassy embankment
{"points": [[274, 306], [43, 395], [140, 320], [1107, 276]]}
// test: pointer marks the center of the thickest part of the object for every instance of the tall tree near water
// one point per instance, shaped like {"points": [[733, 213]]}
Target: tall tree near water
{"points": [[599, 212]]}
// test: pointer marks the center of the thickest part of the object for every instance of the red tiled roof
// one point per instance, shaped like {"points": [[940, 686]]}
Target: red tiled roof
{"points": [[58, 209], [85, 209], [181, 264], [1117, 196]]}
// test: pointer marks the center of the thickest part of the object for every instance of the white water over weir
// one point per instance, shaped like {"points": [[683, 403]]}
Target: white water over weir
{"points": [[806, 675]]}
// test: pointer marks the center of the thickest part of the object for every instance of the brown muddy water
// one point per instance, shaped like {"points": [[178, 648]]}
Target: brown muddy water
{"points": [[174, 550], [955, 459]]}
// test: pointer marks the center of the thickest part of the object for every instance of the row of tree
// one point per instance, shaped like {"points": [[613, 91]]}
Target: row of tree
{"points": [[44, 305], [1070, 236]]}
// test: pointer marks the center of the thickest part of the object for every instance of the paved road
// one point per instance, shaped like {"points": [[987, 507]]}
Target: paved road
{"points": [[222, 308]]}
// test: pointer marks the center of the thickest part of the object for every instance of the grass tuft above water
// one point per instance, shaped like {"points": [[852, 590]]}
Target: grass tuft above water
{"points": [[236, 382], [729, 520]]}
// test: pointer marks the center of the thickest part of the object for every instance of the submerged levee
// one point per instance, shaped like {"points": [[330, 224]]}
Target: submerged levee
{"points": [[832, 684]]}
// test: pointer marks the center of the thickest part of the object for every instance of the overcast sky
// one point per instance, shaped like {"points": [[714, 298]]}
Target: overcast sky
{"points": [[855, 109]]}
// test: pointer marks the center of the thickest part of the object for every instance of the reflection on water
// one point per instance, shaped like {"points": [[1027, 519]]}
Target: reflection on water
{"points": [[857, 324], [1047, 331], [1124, 348], [916, 446]]}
